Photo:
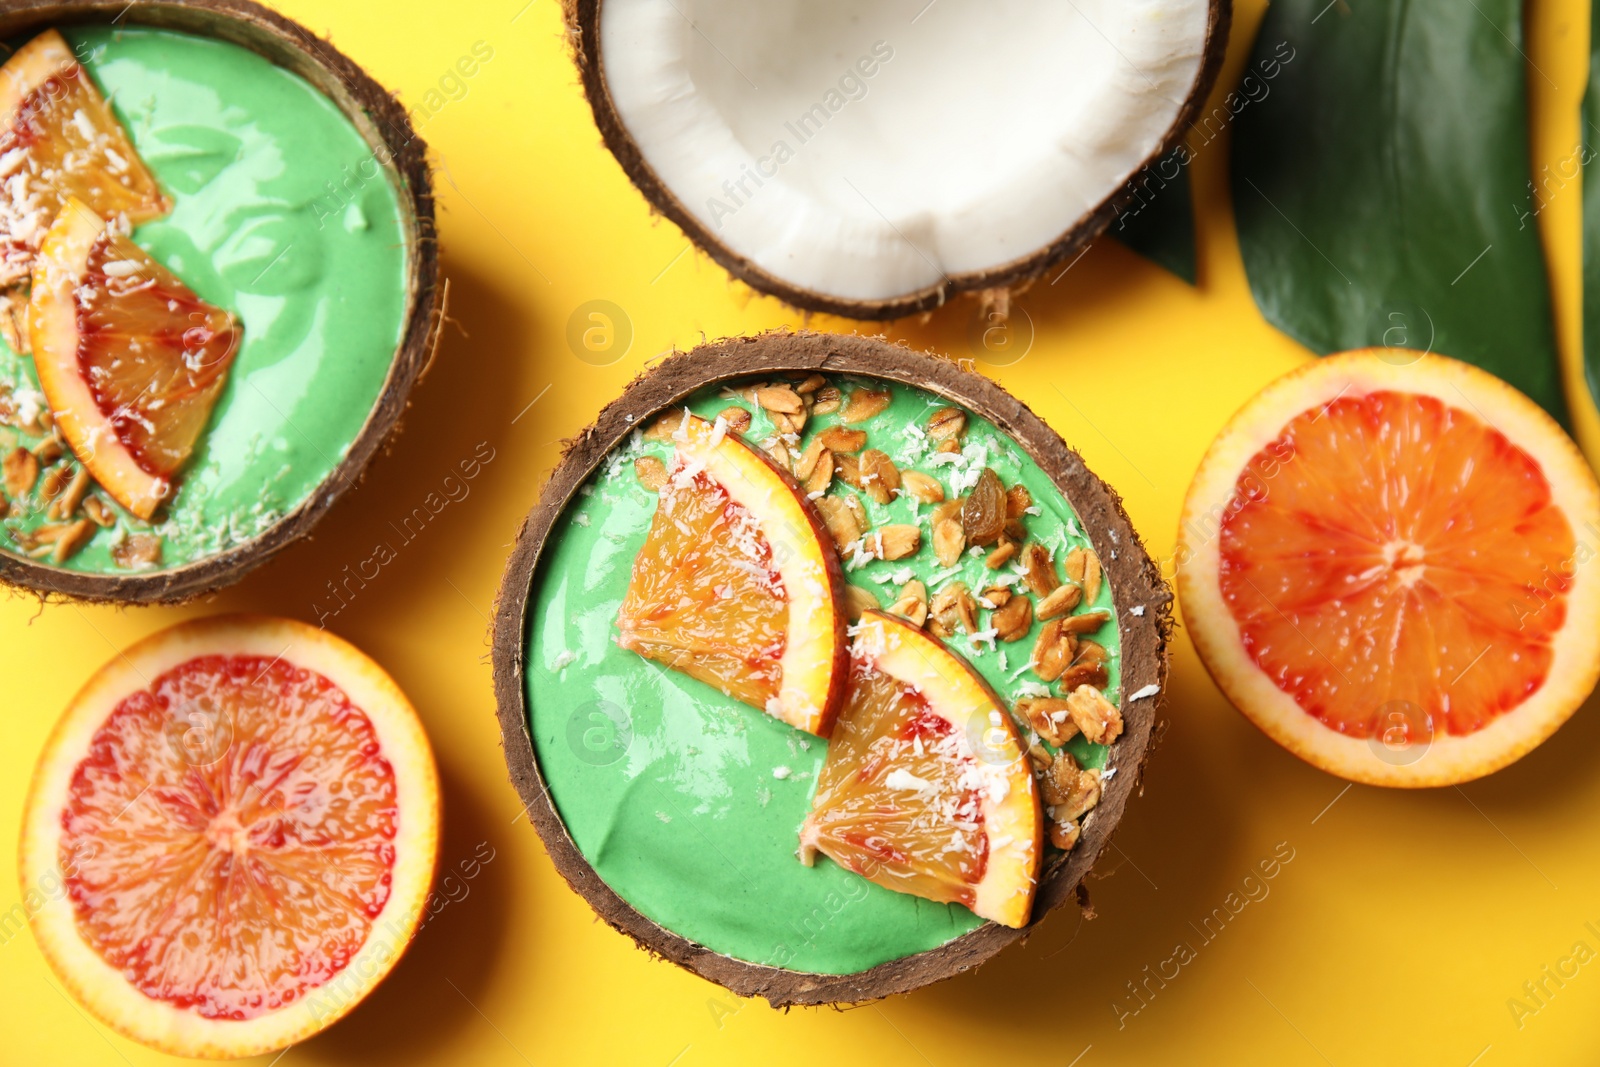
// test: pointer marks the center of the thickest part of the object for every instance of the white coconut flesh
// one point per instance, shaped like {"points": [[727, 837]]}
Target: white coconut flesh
{"points": [[868, 149]]}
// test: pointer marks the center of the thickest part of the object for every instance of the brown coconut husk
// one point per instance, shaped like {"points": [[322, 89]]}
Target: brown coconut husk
{"points": [[383, 123], [1134, 577]]}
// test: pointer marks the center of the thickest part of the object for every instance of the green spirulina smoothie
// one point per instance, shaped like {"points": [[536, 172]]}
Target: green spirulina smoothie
{"points": [[688, 803], [282, 215]]}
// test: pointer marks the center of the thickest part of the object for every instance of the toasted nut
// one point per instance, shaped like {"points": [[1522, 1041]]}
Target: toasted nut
{"points": [[1049, 718], [651, 472], [98, 510], [73, 538], [997, 596], [948, 541], [66, 505], [1013, 621], [1041, 572], [1065, 835], [1070, 793], [828, 399], [736, 418], [895, 541], [1040, 757], [950, 509], [788, 423], [1088, 666], [1087, 623], [841, 439], [857, 509], [1053, 651], [863, 404], [953, 607], [922, 487], [857, 600], [949, 445], [848, 468], [840, 520], [664, 425], [48, 451], [55, 480], [811, 385], [1091, 577], [780, 399], [967, 610], [137, 552], [14, 321], [1055, 786], [1073, 565], [21, 469], [1018, 501], [913, 603], [983, 516], [1078, 674], [821, 475], [879, 475], [947, 424], [1097, 718], [1058, 603], [808, 459], [996, 559], [779, 451], [1016, 531], [1092, 652]]}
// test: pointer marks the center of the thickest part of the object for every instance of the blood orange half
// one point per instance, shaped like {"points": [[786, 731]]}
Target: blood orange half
{"points": [[230, 836], [1387, 562], [738, 583], [129, 359], [59, 139], [926, 789]]}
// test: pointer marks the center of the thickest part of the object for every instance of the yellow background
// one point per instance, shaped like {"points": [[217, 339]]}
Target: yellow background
{"points": [[1398, 932]]}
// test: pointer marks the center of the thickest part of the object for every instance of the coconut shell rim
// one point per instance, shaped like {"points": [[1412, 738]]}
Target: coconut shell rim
{"points": [[1134, 578], [384, 124], [583, 28]]}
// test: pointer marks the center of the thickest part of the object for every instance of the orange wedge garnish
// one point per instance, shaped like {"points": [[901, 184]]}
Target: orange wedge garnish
{"points": [[130, 360], [738, 583], [59, 139], [926, 789]]}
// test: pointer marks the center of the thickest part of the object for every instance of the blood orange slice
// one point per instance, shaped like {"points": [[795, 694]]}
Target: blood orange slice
{"points": [[738, 583], [59, 139], [926, 789], [1386, 564], [129, 359], [230, 836]]}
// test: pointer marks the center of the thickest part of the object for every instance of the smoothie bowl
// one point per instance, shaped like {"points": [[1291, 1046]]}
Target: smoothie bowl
{"points": [[825, 668], [218, 283]]}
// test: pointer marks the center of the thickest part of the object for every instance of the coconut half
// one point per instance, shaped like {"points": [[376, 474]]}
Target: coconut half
{"points": [[870, 158], [1142, 596]]}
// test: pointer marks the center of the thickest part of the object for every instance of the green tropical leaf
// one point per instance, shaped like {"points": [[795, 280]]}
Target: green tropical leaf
{"points": [[1591, 219], [1159, 222], [1383, 190]]}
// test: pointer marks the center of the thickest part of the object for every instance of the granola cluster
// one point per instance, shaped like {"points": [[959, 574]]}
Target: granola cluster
{"points": [[46, 480]]}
